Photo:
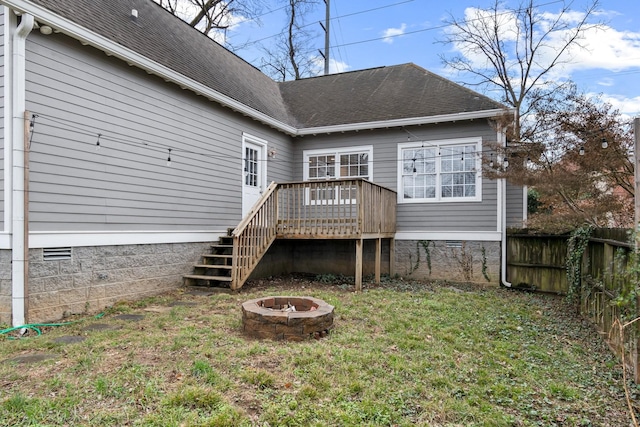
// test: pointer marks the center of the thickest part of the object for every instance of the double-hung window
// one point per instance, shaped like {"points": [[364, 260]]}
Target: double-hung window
{"points": [[337, 164], [440, 171]]}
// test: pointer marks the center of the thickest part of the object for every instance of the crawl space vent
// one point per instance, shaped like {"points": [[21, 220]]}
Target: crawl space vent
{"points": [[454, 244], [56, 254]]}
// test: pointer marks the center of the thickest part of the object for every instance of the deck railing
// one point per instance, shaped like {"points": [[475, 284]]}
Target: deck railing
{"points": [[253, 236], [341, 209], [331, 209]]}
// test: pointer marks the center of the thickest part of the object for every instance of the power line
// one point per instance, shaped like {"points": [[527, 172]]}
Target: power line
{"points": [[331, 19], [437, 27]]}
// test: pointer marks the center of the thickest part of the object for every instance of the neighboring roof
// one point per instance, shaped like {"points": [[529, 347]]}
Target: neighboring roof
{"points": [[162, 44]]}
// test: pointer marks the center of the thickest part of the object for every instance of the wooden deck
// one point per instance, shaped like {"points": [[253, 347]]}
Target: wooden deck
{"points": [[353, 209]]}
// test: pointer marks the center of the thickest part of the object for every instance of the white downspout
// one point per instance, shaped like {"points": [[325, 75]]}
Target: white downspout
{"points": [[19, 237], [502, 219], [502, 200]]}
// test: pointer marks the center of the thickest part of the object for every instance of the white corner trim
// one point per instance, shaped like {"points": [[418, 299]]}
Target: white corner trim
{"points": [[478, 236], [52, 239]]}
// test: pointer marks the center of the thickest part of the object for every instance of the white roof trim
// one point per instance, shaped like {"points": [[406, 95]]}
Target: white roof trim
{"points": [[410, 121], [132, 57]]}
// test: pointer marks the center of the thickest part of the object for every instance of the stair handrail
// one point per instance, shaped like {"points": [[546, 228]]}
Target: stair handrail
{"points": [[254, 235]]}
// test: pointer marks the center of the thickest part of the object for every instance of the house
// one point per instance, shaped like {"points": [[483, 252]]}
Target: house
{"points": [[131, 142]]}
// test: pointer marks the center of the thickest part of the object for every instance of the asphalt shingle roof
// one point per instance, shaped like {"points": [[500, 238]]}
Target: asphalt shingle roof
{"points": [[377, 94]]}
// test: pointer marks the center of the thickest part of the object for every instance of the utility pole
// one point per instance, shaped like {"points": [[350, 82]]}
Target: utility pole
{"points": [[325, 27], [636, 162]]}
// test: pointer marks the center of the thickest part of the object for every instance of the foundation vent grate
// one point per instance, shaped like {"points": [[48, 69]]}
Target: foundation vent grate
{"points": [[56, 254]]}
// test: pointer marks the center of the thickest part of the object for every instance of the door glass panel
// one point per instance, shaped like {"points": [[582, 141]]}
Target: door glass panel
{"points": [[251, 167]]}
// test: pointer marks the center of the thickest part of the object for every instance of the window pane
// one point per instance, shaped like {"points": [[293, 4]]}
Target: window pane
{"points": [[407, 184], [470, 190], [423, 161], [354, 165]]}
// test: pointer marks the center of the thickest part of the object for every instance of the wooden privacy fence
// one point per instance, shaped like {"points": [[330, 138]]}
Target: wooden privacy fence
{"points": [[330, 209], [539, 262]]}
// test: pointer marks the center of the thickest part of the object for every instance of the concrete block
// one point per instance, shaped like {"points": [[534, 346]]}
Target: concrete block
{"points": [[48, 284], [72, 296], [44, 269]]}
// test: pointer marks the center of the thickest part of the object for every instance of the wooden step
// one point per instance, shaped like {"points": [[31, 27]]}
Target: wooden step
{"points": [[204, 277], [218, 246], [215, 266], [222, 256]]}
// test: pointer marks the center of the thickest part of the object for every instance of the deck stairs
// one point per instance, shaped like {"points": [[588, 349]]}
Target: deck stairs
{"points": [[333, 209], [215, 268]]}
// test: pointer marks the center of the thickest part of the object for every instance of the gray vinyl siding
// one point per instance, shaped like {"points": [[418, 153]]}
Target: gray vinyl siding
{"points": [[515, 206], [77, 93], [440, 216]]}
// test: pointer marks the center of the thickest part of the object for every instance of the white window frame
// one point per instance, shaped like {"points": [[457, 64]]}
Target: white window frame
{"points": [[439, 145], [336, 152]]}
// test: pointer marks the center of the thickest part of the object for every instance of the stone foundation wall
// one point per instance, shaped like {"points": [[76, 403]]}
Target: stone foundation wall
{"points": [[5, 287], [98, 277], [473, 262]]}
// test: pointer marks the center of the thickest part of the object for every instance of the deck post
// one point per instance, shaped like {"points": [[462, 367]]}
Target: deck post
{"points": [[378, 258], [358, 265], [392, 257]]}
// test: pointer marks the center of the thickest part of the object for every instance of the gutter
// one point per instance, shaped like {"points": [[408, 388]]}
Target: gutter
{"points": [[410, 121], [17, 147]]}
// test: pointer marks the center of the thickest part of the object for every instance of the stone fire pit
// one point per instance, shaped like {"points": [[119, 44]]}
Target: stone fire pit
{"points": [[287, 318]]}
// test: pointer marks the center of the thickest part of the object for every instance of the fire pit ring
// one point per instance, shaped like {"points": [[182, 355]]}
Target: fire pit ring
{"points": [[287, 318]]}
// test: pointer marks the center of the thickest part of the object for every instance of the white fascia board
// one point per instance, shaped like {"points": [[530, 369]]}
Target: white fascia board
{"points": [[470, 236], [43, 239], [131, 57], [411, 121]]}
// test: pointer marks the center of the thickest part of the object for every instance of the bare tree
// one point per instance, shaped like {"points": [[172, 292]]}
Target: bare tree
{"points": [[515, 50], [212, 15], [292, 55]]}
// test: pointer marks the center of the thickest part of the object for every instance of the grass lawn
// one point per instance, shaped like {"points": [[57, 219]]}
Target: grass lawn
{"points": [[401, 354]]}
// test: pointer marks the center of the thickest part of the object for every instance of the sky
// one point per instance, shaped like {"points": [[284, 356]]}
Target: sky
{"points": [[373, 33]]}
